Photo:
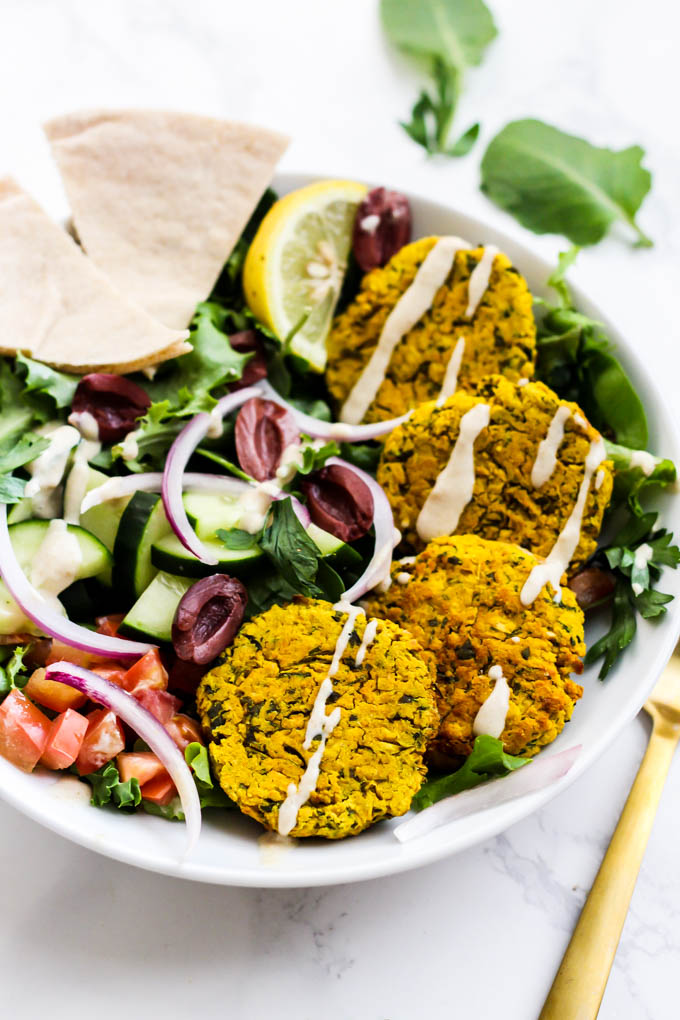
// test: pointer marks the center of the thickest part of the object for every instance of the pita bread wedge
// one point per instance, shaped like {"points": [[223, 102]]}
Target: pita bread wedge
{"points": [[58, 306], [160, 199]]}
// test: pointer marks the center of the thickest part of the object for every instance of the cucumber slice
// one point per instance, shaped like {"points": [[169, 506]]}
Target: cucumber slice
{"points": [[28, 536], [169, 554], [208, 512], [21, 511], [142, 523], [152, 614], [103, 520], [334, 550]]}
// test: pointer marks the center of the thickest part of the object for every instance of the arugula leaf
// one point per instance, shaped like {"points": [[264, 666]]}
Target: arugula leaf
{"points": [[290, 550], [314, 458], [445, 37], [107, 788], [14, 673], [154, 435], [41, 378], [556, 183], [487, 760]]}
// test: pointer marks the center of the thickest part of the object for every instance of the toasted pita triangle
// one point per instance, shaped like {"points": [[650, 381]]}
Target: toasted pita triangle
{"points": [[57, 306], [160, 199]]}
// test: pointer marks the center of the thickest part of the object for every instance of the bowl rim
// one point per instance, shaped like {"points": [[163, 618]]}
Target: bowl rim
{"points": [[450, 839]]}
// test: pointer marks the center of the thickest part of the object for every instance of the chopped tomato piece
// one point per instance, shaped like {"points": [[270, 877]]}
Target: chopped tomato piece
{"points": [[103, 741], [59, 651], [147, 672], [163, 706], [64, 740], [109, 624], [184, 730], [141, 765], [160, 790], [24, 731], [51, 693], [110, 670]]}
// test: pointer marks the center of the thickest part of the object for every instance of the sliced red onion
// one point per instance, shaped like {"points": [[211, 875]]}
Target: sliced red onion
{"points": [[49, 621], [146, 726], [538, 774], [299, 509], [178, 458], [385, 536], [339, 431], [152, 481]]}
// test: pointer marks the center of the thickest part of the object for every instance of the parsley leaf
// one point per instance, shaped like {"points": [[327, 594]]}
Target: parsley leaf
{"points": [[556, 183], [487, 760], [445, 37]]}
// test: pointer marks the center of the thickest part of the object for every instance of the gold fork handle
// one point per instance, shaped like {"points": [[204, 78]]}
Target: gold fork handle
{"points": [[580, 982]]}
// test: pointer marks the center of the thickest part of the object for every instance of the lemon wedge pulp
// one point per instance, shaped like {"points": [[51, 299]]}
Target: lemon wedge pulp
{"points": [[296, 264]]}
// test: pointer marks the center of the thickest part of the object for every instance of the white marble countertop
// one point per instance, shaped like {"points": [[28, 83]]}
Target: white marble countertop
{"points": [[480, 934]]}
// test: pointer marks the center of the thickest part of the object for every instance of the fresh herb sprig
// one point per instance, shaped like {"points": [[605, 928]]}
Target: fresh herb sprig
{"points": [[445, 37]]}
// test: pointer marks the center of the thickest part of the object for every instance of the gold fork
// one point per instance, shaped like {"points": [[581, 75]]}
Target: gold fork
{"points": [[579, 985]]}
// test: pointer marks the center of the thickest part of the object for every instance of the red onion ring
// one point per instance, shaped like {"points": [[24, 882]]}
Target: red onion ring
{"points": [[145, 726], [50, 622], [383, 522], [333, 430], [536, 775], [178, 457]]}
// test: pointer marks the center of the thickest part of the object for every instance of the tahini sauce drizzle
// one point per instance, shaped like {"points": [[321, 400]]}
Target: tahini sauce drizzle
{"points": [[557, 561], [479, 279], [367, 640], [319, 725], [409, 309], [643, 555], [490, 718], [451, 374], [47, 470], [546, 456], [453, 488], [56, 562]]}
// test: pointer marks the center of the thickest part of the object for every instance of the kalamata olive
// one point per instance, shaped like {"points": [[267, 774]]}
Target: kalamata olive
{"points": [[113, 401], [263, 431], [382, 226], [207, 618], [592, 586], [339, 502], [245, 342]]}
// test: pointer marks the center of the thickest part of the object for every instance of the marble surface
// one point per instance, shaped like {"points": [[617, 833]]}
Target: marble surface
{"points": [[482, 933]]}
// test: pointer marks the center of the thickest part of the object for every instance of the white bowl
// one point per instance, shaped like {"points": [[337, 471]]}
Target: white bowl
{"points": [[230, 851]]}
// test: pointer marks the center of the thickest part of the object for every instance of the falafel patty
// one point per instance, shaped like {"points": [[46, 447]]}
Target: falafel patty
{"points": [[460, 598], [505, 503], [257, 703], [499, 337]]}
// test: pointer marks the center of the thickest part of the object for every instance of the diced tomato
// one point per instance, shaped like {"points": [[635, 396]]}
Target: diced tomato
{"points": [[60, 651], [163, 706], [109, 624], [110, 670], [24, 731], [184, 730], [64, 740], [147, 672], [160, 790], [185, 676], [141, 765], [51, 693], [103, 741]]}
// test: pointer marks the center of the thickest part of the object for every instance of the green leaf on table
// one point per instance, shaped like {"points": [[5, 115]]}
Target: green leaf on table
{"points": [[556, 183], [445, 37], [40, 378], [487, 760]]}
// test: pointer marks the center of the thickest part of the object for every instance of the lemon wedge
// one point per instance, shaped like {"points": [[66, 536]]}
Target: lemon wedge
{"points": [[296, 264]]}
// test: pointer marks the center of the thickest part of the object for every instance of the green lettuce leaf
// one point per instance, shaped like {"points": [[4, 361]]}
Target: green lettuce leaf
{"points": [[108, 789], [40, 378], [487, 760]]}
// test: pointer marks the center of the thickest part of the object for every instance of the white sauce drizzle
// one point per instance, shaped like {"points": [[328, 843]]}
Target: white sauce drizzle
{"points": [[599, 478], [254, 504], [546, 456], [47, 470], [130, 449], [409, 309], [407, 561], [553, 567], [523, 381], [644, 460], [79, 475], [643, 555], [216, 426], [490, 718], [56, 562], [515, 639], [451, 374], [479, 279], [367, 640], [319, 725], [370, 223], [453, 488], [402, 577], [580, 421]]}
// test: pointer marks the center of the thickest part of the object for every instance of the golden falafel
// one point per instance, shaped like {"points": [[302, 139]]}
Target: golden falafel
{"points": [[505, 502], [257, 703], [460, 598], [499, 337]]}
